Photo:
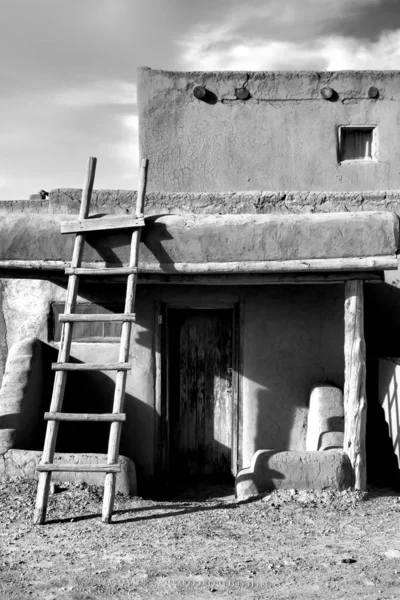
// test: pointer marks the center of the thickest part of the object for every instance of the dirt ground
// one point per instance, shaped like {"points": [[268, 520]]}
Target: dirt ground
{"points": [[287, 545]]}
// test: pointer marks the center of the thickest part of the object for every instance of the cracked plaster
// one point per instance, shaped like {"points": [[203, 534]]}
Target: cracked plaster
{"points": [[231, 144]]}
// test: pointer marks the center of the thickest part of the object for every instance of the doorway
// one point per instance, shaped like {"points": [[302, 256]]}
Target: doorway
{"points": [[201, 394]]}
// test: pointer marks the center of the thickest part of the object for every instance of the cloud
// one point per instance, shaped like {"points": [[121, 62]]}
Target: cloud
{"points": [[223, 50], [123, 150], [281, 18], [344, 53], [131, 122], [97, 93], [127, 147], [286, 34]]}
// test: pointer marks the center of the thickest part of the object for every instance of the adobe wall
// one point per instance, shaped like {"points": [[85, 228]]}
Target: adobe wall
{"points": [[285, 329], [288, 330], [283, 137], [26, 313]]}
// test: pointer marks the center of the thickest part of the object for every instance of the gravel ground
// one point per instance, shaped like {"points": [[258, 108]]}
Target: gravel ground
{"points": [[286, 545]]}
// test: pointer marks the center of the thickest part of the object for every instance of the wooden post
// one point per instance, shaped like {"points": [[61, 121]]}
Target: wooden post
{"points": [[355, 400]]}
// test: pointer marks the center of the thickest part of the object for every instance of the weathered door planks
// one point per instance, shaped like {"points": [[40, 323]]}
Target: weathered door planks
{"points": [[200, 392]]}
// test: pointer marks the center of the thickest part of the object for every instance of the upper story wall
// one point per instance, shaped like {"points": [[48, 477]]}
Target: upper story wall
{"points": [[285, 136]]}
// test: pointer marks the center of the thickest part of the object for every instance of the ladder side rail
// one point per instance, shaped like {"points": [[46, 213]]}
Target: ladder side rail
{"points": [[64, 351], [141, 195], [120, 384]]}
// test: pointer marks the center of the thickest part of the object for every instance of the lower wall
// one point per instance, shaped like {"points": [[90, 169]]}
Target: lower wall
{"points": [[291, 338]]}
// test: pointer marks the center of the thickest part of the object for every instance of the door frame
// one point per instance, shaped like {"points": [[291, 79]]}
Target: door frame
{"points": [[161, 383]]}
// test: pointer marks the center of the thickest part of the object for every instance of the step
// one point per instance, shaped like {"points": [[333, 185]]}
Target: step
{"points": [[58, 416], [101, 271], [101, 224], [91, 366], [104, 318], [114, 468]]}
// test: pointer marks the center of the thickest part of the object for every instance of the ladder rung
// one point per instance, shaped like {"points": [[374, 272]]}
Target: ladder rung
{"points": [[91, 366], [58, 416], [122, 318], [115, 468], [101, 224], [102, 271]]}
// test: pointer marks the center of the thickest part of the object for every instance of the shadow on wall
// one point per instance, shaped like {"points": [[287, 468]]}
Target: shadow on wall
{"points": [[114, 247], [389, 372], [382, 332], [23, 396], [299, 343], [275, 420], [26, 395], [94, 391]]}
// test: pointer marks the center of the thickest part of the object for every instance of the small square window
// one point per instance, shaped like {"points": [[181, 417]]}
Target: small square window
{"points": [[357, 143], [88, 331]]}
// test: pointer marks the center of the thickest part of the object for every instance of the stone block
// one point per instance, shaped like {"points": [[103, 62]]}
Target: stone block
{"points": [[272, 469], [325, 416]]}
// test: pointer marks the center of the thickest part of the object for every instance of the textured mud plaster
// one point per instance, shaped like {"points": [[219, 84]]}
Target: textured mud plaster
{"points": [[26, 306], [22, 463], [271, 470], [3, 335], [284, 137], [67, 201], [20, 395], [25, 311]]}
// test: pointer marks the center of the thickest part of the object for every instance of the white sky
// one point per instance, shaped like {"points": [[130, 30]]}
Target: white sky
{"points": [[68, 69]]}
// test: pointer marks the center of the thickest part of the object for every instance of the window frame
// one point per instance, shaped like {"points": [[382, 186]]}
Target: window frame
{"points": [[55, 326], [374, 144]]}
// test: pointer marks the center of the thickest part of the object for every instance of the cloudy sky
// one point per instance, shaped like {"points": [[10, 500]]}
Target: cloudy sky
{"points": [[68, 69]]}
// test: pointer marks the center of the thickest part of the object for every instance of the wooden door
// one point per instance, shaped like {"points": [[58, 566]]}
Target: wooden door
{"points": [[200, 361]]}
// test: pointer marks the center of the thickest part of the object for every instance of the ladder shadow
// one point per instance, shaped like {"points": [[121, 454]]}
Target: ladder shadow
{"points": [[179, 512], [176, 513], [113, 247]]}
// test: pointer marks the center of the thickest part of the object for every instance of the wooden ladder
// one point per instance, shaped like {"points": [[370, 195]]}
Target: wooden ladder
{"points": [[116, 418]]}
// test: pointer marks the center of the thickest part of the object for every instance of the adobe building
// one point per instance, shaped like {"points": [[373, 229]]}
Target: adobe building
{"points": [[271, 224]]}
